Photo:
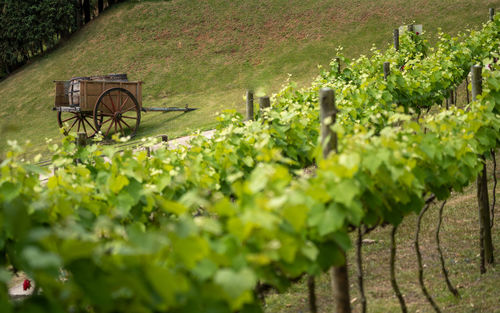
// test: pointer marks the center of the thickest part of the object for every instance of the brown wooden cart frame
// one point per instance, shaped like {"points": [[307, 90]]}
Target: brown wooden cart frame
{"points": [[107, 106]]}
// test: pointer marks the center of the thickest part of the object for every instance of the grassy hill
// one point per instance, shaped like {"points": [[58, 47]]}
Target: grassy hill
{"points": [[206, 53]]}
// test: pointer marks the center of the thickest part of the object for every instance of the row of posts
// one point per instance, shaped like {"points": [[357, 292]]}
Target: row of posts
{"points": [[396, 36], [411, 29], [264, 102]]}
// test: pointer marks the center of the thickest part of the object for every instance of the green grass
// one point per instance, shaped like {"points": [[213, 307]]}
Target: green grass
{"points": [[207, 53], [459, 238]]}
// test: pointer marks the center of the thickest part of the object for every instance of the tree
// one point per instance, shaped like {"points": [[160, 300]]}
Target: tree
{"points": [[100, 6], [86, 11]]}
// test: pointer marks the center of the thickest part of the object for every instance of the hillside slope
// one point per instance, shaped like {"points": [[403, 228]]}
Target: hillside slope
{"points": [[206, 53]]}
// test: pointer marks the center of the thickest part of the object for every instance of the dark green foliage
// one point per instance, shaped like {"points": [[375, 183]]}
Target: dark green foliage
{"points": [[29, 27]]}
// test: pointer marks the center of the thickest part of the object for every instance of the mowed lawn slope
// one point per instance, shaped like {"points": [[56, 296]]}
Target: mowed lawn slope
{"points": [[206, 53]]}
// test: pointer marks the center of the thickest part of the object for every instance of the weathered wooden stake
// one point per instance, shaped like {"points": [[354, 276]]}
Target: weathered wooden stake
{"points": [[486, 242], [249, 105], [387, 69], [410, 28], [148, 151], [484, 214], [451, 99], [340, 283], [81, 139], [164, 138], [476, 81], [337, 60], [467, 88], [396, 39], [328, 115], [492, 14], [264, 102]]}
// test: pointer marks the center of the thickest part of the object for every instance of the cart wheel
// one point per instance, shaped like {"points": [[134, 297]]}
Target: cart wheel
{"points": [[76, 121], [117, 110]]}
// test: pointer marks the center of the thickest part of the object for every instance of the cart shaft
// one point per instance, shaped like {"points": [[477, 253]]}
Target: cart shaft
{"points": [[145, 109]]}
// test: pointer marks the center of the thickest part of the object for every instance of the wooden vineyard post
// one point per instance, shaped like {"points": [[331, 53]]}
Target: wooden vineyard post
{"points": [[492, 14], [328, 115], [249, 105], [410, 28], [387, 69], [451, 99], [81, 139], [485, 240], [264, 102], [337, 60], [396, 39]]}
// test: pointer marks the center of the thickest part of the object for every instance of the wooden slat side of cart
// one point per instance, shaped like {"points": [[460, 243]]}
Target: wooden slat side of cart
{"points": [[99, 105], [109, 104], [90, 90]]}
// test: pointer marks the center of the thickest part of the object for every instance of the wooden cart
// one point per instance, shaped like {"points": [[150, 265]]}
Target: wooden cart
{"points": [[109, 104]]}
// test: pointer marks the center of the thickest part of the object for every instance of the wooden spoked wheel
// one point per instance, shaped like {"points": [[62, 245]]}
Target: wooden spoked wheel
{"points": [[76, 122], [117, 111]]}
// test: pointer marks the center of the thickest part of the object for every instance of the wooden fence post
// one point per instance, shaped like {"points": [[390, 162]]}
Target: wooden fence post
{"points": [[249, 105], [396, 39], [485, 241], [387, 69], [328, 115], [164, 138], [492, 14], [410, 28]]}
